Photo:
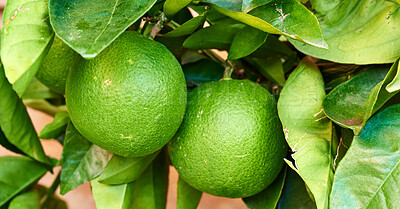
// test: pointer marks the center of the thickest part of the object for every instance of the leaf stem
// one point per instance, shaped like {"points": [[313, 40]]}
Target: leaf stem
{"points": [[158, 26], [51, 190]]}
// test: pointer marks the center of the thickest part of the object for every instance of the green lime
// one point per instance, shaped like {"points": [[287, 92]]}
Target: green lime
{"points": [[56, 65], [130, 99], [231, 142]]}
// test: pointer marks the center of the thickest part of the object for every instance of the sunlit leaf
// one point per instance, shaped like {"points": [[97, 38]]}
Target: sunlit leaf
{"points": [[245, 42], [112, 196], [56, 128], [188, 197], [171, 7]]}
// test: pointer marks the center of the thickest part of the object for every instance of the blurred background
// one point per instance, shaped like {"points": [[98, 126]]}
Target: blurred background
{"points": [[81, 198]]}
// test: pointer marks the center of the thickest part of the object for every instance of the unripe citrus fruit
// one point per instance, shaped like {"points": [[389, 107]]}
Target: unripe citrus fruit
{"points": [[231, 142], [55, 67], [130, 99]]}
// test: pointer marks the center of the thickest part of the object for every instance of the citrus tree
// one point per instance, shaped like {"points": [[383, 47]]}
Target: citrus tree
{"points": [[303, 111]]}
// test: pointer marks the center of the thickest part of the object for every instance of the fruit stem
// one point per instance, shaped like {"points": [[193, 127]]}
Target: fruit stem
{"points": [[52, 189], [228, 70], [158, 26]]}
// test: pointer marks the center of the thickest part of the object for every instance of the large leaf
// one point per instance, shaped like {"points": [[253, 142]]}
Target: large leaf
{"points": [[353, 102], [357, 31], [269, 197], [81, 160], [16, 123], [171, 7], [369, 174], [6, 144], [188, 197], [26, 200], [150, 190], [26, 35], [289, 18], [56, 128], [121, 170], [245, 42], [17, 173], [308, 131], [89, 26], [112, 196]]}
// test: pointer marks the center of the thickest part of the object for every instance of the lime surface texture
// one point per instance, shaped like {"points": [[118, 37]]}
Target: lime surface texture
{"points": [[231, 142], [130, 99], [56, 65]]}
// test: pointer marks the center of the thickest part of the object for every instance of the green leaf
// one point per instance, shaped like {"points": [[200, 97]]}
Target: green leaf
{"points": [[294, 194], [369, 174], [44, 106], [307, 130], [37, 90], [394, 85], [26, 200], [289, 18], [81, 160], [269, 197], [367, 94], [17, 173], [188, 27], [56, 128], [357, 31], [202, 71], [89, 26], [6, 144], [112, 196], [171, 7], [25, 39], [188, 197], [121, 170], [150, 190], [16, 123], [270, 68], [245, 42]]}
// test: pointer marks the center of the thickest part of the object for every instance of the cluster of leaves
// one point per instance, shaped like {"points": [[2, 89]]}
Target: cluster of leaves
{"points": [[344, 146]]}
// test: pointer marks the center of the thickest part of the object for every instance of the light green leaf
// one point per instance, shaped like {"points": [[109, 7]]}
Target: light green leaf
{"points": [[17, 173], [26, 35], [307, 130], [188, 27], [395, 84], [112, 196], [357, 31], [6, 144], [16, 123], [81, 160], [121, 170], [44, 106], [171, 7], [369, 174], [26, 200], [56, 128], [188, 197], [245, 42], [89, 26], [269, 197], [37, 90]]}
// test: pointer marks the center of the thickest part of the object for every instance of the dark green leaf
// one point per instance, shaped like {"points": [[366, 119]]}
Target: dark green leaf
{"points": [[26, 200], [16, 123], [171, 7], [112, 196], [122, 170], [273, 48], [56, 128], [150, 190], [369, 174], [37, 90], [188, 197], [270, 68], [6, 144], [81, 160], [202, 71], [174, 44], [17, 173], [357, 31], [307, 130], [245, 42], [89, 26], [269, 197], [294, 194], [188, 27], [26, 35]]}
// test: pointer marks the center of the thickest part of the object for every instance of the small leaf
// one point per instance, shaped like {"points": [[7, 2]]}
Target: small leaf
{"points": [[121, 170], [81, 160], [16, 123], [112, 196], [26, 35], [26, 200], [37, 90], [188, 197], [269, 197], [17, 173], [270, 68], [56, 128], [294, 194], [245, 42], [202, 71], [369, 174], [89, 26], [307, 130], [150, 190], [171, 7], [394, 85], [188, 27]]}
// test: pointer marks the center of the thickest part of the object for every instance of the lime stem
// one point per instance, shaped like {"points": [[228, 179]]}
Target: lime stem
{"points": [[229, 67], [158, 26]]}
